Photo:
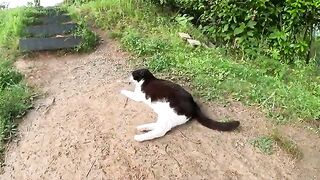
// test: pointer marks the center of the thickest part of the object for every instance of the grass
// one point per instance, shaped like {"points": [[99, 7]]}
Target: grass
{"points": [[15, 96], [287, 145], [285, 93], [265, 143], [89, 38]]}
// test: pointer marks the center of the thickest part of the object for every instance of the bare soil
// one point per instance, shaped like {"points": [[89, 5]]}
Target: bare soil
{"points": [[83, 128]]}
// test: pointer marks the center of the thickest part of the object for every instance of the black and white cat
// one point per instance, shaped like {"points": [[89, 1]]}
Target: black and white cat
{"points": [[173, 105]]}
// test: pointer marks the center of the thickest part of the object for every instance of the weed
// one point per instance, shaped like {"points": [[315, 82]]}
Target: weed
{"points": [[287, 145], [8, 76], [264, 143], [14, 95], [89, 39]]}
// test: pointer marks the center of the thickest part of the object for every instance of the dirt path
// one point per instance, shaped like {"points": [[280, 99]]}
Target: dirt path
{"points": [[82, 129]]}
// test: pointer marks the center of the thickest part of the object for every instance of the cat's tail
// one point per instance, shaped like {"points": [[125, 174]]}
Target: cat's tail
{"points": [[215, 125]]}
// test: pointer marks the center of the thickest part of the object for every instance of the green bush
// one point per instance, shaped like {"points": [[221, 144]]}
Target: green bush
{"points": [[89, 38], [8, 76], [14, 95], [279, 29]]}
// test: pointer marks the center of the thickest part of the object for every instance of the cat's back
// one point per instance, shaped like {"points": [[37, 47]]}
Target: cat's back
{"points": [[164, 89], [162, 92]]}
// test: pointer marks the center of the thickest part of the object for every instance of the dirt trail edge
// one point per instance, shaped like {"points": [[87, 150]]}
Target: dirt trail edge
{"points": [[83, 129]]}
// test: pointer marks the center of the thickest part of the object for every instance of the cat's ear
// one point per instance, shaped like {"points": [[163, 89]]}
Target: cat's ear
{"points": [[142, 74], [145, 73]]}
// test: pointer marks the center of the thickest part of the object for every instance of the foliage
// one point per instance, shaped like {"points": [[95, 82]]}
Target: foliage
{"points": [[287, 145], [14, 95], [285, 93], [264, 143], [89, 38], [8, 76], [279, 29], [14, 101], [11, 23]]}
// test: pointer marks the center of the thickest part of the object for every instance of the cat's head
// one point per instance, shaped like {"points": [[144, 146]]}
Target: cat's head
{"points": [[141, 74]]}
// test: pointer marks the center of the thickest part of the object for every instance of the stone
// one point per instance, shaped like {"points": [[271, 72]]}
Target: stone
{"points": [[184, 35], [193, 42]]}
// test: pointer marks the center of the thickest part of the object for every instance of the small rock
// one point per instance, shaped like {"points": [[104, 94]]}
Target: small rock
{"points": [[211, 45], [184, 36], [193, 42]]}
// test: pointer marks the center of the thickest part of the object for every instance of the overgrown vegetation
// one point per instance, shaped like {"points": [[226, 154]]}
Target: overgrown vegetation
{"points": [[265, 143], [15, 97], [282, 30], [287, 145], [285, 93], [89, 38]]}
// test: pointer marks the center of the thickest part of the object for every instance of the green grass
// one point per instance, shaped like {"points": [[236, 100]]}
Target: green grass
{"points": [[264, 143], [287, 145], [15, 96], [89, 38], [287, 94]]}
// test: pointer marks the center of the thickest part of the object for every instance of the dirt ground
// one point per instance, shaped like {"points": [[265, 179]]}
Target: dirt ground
{"points": [[83, 128]]}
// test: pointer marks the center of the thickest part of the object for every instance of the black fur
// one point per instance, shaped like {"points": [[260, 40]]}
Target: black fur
{"points": [[179, 99]]}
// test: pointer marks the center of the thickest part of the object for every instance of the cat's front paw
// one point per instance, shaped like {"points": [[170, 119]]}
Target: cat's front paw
{"points": [[138, 138], [141, 128], [124, 92], [146, 127]]}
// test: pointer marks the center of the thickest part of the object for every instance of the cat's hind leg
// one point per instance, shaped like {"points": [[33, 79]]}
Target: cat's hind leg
{"points": [[146, 127]]}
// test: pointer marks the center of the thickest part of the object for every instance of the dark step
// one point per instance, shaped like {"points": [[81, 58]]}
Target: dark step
{"points": [[50, 29], [54, 43], [57, 19]]}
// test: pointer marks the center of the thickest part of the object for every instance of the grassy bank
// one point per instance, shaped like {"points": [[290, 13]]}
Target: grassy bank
{"points": [[14, 94], [285, 93]]}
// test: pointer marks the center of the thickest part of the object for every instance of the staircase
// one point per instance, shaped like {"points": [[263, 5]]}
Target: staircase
{"points": [[51, 32]]}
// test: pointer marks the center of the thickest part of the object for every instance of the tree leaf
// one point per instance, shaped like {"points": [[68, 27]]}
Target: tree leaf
{"points": [[251, 24], [238, 30], [225, 28]]}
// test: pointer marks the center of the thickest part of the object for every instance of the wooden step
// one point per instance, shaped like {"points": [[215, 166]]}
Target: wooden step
{"points": [[54, 43], [50, 29], [57, 19]]}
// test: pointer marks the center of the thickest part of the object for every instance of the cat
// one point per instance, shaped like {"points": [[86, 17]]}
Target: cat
{"points": [[173, 105]]}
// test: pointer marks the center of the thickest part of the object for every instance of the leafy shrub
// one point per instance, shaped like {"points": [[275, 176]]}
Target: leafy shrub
{"points": [[89, 38], [280, 29], [14, 95], [264, 143], [8, 76]]}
